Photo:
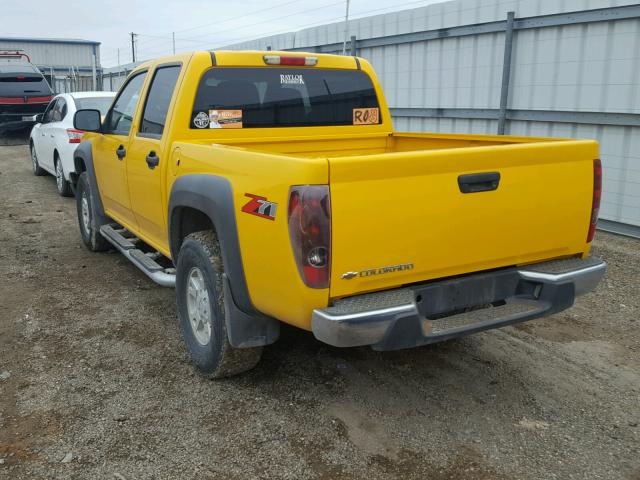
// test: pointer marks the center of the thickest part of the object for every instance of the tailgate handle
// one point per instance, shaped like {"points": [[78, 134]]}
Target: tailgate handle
{"points": [[479, 182]]}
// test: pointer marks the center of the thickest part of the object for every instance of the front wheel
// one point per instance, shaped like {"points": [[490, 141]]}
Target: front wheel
{"points": [[201, 309], [64, 187], [37, 171], [86, 216]]}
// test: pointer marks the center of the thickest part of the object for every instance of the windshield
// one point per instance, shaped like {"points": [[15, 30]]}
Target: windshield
{"points": [[283, 97], [94, 103]]}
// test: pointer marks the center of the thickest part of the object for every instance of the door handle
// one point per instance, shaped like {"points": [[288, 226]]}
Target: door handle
{"points": [[121, 152], [479, 182], [153, 159]]}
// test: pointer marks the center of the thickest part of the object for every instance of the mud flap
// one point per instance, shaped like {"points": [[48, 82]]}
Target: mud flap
{"points": [[246, 331]]}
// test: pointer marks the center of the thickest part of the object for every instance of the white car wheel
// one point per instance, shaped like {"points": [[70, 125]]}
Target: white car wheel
{"points": [[64, 188]]}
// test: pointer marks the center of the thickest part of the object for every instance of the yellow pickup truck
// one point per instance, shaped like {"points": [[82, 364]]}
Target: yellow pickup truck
{"points": [[270, 187]]}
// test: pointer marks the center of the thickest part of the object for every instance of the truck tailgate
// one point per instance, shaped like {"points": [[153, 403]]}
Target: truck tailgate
{"points": [[400, 218]]}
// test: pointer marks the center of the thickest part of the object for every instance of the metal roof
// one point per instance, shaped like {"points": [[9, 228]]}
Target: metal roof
{"points": [[49, 40]]}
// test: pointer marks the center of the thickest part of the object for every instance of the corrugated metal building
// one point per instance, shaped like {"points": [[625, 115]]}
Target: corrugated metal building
{"points": [[68, 64], [573, 71]]}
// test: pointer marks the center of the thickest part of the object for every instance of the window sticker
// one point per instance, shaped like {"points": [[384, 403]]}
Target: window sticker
{"points": [[225, 118], [201, 120], [291, 80], [366, 116]]}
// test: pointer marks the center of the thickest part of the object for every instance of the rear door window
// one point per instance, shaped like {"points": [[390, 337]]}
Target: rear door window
{"points": [[281, 97], [156, 107]]}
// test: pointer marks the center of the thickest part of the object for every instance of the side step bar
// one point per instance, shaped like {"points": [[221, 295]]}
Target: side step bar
{"points": [[115, 235]]}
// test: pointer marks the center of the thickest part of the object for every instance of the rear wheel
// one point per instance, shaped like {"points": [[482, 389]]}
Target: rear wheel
{"points": [[86, 216], [37, 171], [64, 187], [201, 309]]}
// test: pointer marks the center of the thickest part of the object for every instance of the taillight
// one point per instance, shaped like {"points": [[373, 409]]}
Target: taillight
{"points": [[75, 136], [286, 60], [310, 233], [597, 194]]}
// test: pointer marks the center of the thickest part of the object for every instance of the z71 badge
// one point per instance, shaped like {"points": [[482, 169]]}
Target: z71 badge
{"points": [[260, 206]]}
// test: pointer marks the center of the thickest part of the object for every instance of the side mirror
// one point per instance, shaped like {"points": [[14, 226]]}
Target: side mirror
{"points": [[33, 118], [87, 120]]}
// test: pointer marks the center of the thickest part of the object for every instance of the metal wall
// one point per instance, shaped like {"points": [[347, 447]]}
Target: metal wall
{"points": [[574, 71], [66, 64], [55, 52]]}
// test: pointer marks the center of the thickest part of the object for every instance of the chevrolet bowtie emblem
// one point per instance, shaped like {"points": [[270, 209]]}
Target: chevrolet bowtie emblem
{"points": [[349, 275]]}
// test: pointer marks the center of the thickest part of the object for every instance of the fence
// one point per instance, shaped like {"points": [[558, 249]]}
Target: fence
{"points": [[569, 74], [71, 79], [113, 77]]}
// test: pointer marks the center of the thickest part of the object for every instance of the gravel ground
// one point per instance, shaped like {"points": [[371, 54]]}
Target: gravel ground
{"points": [[95, 382]]}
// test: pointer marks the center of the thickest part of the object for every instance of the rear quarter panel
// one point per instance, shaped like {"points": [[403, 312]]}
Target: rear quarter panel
{"points": [[274, 285]]}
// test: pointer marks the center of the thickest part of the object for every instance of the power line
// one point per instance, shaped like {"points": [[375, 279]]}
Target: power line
{"points": [[341, 2], [239, 17], [264, 34], [208, 42], [320, 22]]}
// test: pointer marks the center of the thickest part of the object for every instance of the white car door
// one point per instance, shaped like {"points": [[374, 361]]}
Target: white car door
{"points": [[53, 132], [40, 139], [47, 133], [58, 138]]}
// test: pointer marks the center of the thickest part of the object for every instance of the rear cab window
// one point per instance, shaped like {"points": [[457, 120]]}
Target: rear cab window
{"points": [[268, 97]]}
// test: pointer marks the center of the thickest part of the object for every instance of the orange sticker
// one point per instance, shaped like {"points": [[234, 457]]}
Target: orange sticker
{"points": [[225, 118], [366, 116]]}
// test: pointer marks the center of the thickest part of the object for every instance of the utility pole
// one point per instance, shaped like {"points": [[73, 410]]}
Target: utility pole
{"points": [[173, 39], [346, 30], [133, 47]]}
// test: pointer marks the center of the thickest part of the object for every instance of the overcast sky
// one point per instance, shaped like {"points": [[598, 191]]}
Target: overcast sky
{"points": [[198, 24]]}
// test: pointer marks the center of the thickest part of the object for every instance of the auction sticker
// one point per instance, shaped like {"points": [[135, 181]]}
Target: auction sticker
{"points": [[366, 116], [225, 118]]}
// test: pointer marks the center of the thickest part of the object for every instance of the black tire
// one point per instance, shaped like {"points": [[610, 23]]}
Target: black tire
{"points": [[215, 357], [37, 171], [62, 185], [87, 218]]}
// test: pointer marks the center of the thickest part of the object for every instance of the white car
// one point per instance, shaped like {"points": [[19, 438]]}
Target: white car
{"points": [[53, 140]]}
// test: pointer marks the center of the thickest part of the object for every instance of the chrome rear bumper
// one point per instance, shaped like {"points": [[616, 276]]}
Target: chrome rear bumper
{"points": [[438, 311]]}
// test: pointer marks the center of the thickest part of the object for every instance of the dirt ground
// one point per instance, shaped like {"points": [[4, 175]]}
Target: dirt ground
{"points": [[95, 382]]}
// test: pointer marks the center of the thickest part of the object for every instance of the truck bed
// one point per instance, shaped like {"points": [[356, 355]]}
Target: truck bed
{"points": [[344, 146]]}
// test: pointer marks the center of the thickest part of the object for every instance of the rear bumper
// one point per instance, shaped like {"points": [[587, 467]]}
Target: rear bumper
{"points": [[438, 311]]}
